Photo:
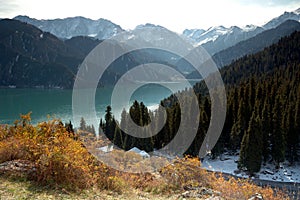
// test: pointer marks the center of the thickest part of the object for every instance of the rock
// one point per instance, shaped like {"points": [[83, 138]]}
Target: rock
{"points": [[186, 194], [18, 168], [256, 197], [214, 198], [199, 192]]}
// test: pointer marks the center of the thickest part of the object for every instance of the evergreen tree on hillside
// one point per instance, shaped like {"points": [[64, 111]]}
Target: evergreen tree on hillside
{"points": [[278, 138], [109, 123], [292, 135], [266, 130], [239, 126], [251, 147], [295, 136], [82, 124]]}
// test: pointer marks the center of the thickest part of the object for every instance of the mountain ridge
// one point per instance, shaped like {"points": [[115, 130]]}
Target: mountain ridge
{"points": [[67, 28], [256, 43], [229, 37]]}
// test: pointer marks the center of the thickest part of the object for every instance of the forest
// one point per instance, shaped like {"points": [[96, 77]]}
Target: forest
{"points": [[263, 110]]}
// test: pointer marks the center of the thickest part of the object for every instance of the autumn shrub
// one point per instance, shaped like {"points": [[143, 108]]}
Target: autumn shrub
{"points": [[243, 189], [60, 159], [185, 171]]}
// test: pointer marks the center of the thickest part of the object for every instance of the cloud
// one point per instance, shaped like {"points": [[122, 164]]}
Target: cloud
{"points": [[272, 3], [8, 7]]}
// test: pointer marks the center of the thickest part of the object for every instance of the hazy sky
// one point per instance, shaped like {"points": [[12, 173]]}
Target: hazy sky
{"points": [[173, 14]]}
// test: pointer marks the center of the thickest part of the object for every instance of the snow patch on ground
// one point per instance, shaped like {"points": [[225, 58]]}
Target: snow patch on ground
{"points": [[228, 164]]}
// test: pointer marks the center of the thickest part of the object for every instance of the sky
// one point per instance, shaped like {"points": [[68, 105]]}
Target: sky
{"points": [[175, 15]]}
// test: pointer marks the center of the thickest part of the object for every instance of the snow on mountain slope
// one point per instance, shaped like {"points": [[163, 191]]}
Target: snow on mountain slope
{"points": [[295, 15], [218, 38], [75, 26], [201, 36]]}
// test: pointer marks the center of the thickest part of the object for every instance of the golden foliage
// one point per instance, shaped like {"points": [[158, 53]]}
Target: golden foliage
{"points": [[60, 159]]}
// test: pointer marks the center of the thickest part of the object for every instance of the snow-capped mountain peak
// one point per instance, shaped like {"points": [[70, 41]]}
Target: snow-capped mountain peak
{"points": [[148, 25], [75, 26], [249, 27], [201, 36]]}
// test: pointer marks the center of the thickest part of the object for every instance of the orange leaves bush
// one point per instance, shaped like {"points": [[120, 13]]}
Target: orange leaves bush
{"points": [[59, 158], [243, 189], [185, 171]]}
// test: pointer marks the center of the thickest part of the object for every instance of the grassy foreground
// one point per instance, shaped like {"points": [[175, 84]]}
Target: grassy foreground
{"points": [[12, 189], [47, 161]]}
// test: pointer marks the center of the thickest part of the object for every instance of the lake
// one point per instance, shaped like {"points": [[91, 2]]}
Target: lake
{"points": [[58, 103]]}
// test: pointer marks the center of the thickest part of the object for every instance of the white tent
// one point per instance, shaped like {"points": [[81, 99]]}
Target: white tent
{"points": [[143, 153], [107, 149]]}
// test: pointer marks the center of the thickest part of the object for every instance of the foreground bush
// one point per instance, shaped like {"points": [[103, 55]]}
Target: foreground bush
{"points": [[60, 158]]}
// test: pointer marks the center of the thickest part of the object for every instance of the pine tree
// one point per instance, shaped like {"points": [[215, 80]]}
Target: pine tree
{"points": [[109, 126], [251, 148], [82, 124], [278, 138], [124, 126], [266, 130], [239, 126], [296, 133], [118, 138], [292, 135], [69, 127]]}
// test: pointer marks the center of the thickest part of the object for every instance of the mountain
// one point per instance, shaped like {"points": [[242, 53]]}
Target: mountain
{"points": [[214, 39], [75, 26], [256, 43], [219, 38], [30, 57], [232, 36], [252, 45], [82, 44], [148, 25], [295, 15]]}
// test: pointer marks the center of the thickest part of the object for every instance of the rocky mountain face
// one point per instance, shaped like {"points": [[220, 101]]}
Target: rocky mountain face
{"points": [[75, 26], [256, 43], [295, 15], [216, 39]]}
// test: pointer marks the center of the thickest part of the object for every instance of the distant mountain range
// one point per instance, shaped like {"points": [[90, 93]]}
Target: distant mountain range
{"points": [[256, 43], [214, 39], [219, 38], [252, 45], [49, 52], [75, 26]]}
